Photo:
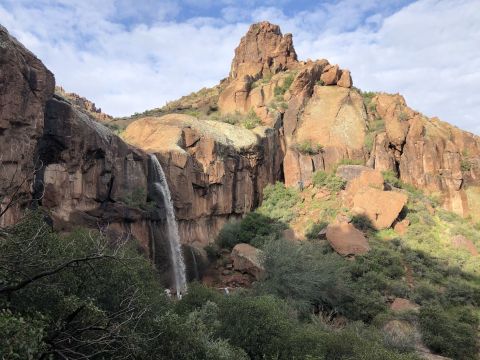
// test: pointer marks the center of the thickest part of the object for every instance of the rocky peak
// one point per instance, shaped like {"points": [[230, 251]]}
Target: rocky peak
{"points": [[263, 50]]}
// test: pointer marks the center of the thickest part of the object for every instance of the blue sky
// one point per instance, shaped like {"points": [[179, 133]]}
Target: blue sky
{"points": [[132, 55]]}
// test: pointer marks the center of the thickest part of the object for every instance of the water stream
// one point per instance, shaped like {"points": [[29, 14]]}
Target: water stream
{"points": [[178, 265]]}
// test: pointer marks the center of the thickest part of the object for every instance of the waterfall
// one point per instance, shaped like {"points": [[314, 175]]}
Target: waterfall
{"points": [[178, 265]]}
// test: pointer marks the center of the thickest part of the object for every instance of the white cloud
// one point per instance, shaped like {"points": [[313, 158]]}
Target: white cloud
{"points": [[428, 51]]}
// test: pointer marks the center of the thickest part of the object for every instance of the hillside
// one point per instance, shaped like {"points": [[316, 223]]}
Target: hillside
{"points": [[316, 221]]}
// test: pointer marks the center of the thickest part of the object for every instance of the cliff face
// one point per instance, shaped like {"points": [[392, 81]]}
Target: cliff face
{"points": [[215, 170], [54, 154], [274, 118], [25, 86]]}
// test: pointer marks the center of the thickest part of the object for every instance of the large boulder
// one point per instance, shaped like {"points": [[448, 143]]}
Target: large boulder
{"points": [[248, 259], [381, 207], [346, 240]]}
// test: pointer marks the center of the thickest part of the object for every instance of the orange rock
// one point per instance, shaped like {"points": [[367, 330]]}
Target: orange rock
{"points": [[248, 259], [381, 207], [345, 79], [401, 227], [346, 240], [330, 75]]}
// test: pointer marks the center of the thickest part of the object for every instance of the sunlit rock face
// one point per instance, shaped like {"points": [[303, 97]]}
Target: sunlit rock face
{"points": [[216, 171]]}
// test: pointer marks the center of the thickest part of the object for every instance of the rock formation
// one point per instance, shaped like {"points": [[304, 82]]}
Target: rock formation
{"points": [[216, 171], [25, 86], [310, 118]]}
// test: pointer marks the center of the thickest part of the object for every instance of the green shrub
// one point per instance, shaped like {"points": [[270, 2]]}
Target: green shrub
{"points": [[259, 325], [279, 202], [362, 222], [287, 82], [332, 182], [453, 333], [255, 228], [308, 148], [305, 275], [466, 165], [252, 120]]}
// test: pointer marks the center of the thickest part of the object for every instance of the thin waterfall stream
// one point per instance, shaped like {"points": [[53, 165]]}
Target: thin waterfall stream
{"points": [[176, 256]]}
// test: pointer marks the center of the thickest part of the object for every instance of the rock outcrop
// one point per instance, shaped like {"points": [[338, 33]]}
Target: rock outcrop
{"points": [[215, 170], [84, 105], [25, 87]]}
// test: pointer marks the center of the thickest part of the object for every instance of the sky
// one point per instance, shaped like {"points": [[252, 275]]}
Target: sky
{"points": [[132, 55]]}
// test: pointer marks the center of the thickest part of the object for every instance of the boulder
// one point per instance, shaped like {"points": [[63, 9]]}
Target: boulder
{"points": [[346, 240], [381, 207], [401, 227], [330, 75], [248, 259], [345, 79]]}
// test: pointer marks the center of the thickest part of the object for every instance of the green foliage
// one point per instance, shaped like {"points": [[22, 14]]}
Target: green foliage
{"points": [[374, 127], [362, 222], [287, 82], [279, 202], [21, 338], [466, 165], [320, 83], [259, 325], [403, 116], [255, 228], [332, 182], [138, 199], [308, 148], [304, 275], [451, 333], [252, 120], [368, 100]]}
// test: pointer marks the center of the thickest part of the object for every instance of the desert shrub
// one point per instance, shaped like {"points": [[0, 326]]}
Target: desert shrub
{"points": [[359, 342], [403, 116], [329, 181], [308, 148], [255, 228], [362, 222], [461, 292], [279, 202], [452, 333], [320, 83], [312, 231], [304, 275], [287, 82], [138, 199], [368, 100], [259, 325], [466, 165], [252, 120], [195, 298]]}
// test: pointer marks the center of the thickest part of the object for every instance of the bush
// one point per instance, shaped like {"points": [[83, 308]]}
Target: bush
{"points": [[287, 82], [453, 334], [308, 148], [305, 275], [362, 222], [279, 203], [259, 325], [465, 165], [254, 229], [329, 181], [252, 120]]}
